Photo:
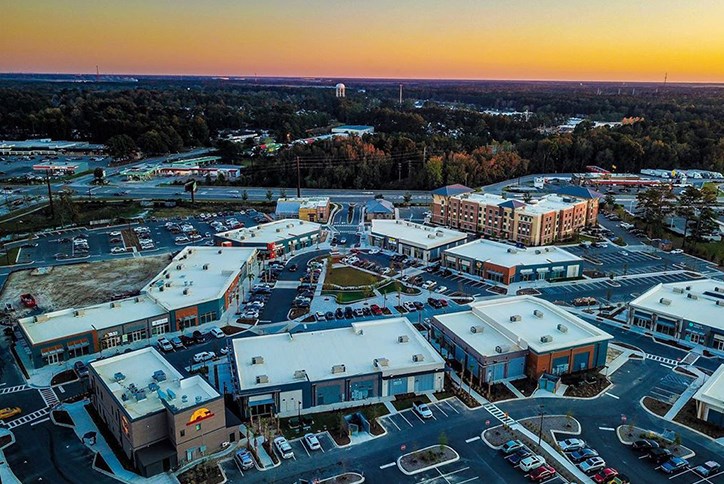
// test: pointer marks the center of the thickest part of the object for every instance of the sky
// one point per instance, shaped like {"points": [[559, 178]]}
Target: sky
{"points": [[613, 40]]}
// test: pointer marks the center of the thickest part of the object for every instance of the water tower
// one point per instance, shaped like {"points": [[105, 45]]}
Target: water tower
{"points": [[339, 90]]}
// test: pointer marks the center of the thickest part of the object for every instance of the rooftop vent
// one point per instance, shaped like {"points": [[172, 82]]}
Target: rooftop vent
{"points": [[515, 318], [537, 251], [262, 379], [718, 289], [688, 288], [115, 304], [140, 395], [179, 267], [206, 266], [119, 377], [679, 290], [665, 302], [477, 329], [338, 369], [257, 360], [187, 291], [381, 362], [198, 398], [159, 375], [403, 339], [562, 328], [279, 230], [79, 312], [512, 251], [153, 386], [184, 398], [692, 296], [537, 313], [300, 374], [418, 357], [137, 299], [720, 302], [546, 339], [502, 349], [219, 252]]}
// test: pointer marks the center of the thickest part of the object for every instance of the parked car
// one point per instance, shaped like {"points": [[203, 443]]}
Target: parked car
{"points": [[339, 313], [177, 343], [422, 409], [28, 301], [293, 268], [583, 454], [312, 442], [541, 473], [532, 462], [659, 456], [708, 468], [571, 445], [429, 285], [283, 447], [605, 475], [517, 456], [674, 465], [676, 251], [244, 459], [198, 336], [511, 446], [441, 289], [376, 310], [418, 305], [594, 464], [409, 306], [186, 340], [10, 412], [80, 369], [217, 333], [165, 345], [204, 356], [329, 315], [348, 313], [645, 445]]}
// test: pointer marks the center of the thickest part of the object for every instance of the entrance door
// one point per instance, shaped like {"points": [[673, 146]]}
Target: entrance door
{"points": [[53, 358]]}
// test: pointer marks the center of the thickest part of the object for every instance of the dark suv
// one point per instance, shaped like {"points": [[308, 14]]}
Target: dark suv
{"points": [[199, 337]]}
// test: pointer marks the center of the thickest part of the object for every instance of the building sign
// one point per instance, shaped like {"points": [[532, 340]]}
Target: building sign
{"points": [[199, 415], [159, 322]]}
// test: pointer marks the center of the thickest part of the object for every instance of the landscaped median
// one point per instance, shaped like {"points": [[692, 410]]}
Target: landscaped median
{"points": [[628, 434], [425, 459], [346, 478]]}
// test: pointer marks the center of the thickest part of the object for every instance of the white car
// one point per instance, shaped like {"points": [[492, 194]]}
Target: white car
{"points": [[312, 442], [592, 465], [422, 409], [217, 333], [571, 445], [117, 250], [429, 284], [676, 251], [441, 289], [320, 316], [532, 462], [250, 314], [374, 251], [204, 356], [115, 234], [283, 447], [409, 306], [165, 344], [181, 239]]}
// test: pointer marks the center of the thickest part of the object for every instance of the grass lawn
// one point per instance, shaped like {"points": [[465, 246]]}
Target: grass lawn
{"points": [[346, 297], [395, 286], [10, 257], [350, 277]]}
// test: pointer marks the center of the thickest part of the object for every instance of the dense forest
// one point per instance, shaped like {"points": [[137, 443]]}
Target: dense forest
{"points": [[442, 138]]}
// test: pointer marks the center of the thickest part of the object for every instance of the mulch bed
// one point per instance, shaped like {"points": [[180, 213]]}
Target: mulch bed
{"points": [[527, 291], [63, 377], [426, 457], [204, 473], [5, 440], [589, 385], [231, 329], [62, 417], [687, 417], [658, 407], [498, 392], [401, 310], [526, 386], [346, 478], [100, 463]]}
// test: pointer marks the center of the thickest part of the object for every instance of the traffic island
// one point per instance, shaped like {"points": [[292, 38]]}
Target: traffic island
{"points": [[628, 434], [425, 459], [346, 478], [206, 472], [62, 418]]}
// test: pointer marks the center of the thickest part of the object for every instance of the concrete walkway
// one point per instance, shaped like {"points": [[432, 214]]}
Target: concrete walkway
{"points": [[264, 458], [512, 388], [390, 408], [482, 400], [685, 397], [570, 467], [6, 474], [619, 361]]}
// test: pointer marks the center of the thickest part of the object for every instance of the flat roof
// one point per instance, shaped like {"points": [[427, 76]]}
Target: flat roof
{"points": [[46, 144], [316, 353], [137, 368], [67, 322], [700, 308], [508, 256], [712, 391], [415, 234], [535, 318], [356, 127], [277, 231], [485, 342], [548, 203], [304, 202], [197, 274]]}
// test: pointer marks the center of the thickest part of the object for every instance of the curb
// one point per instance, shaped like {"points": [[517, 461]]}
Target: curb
{"points": [[424, 469]]}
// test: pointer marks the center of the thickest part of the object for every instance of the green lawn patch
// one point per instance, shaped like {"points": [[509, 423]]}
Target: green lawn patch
{"points": [[347, 297], [9, 257], [397, 286], [350, 277]]}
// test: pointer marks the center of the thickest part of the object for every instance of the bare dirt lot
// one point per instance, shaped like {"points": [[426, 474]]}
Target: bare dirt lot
{"points": [[82, 284]]}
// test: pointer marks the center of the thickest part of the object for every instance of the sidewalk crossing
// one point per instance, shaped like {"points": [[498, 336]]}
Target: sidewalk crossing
{"points": [[498, 413], [38, 414], [661, 359], [49, 396], [18, 388]]}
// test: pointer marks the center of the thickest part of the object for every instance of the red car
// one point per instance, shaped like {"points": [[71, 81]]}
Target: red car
{"points": [[28, 301], [605, 475], [443, 302], [376, 310], [540, 473]]}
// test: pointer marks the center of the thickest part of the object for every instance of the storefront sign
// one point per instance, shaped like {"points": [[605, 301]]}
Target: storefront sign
{"points": [[199, 415]]}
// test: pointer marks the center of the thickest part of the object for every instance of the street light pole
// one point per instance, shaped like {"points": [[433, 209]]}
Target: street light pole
{"points": [[540, 427]]}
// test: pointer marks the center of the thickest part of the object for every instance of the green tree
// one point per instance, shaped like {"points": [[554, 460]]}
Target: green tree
{"points": [[653, 205], [98, 175], [610, 202], [121, 146], [67, 207]]}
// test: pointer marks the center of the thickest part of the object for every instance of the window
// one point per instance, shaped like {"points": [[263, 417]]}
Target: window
{"points": [[110, 341], [208, 317], [198, 427], [160, 329], [183, 433], [137, 335]]}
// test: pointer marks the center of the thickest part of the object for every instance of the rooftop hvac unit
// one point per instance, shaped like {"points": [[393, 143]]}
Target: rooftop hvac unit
{"points": [[515, 318], [119, 377], [241, 237], [430, 236], [502, 349], [692, 296], [160, 289], [300, 374], [184, 398], [477, 329], [137, 299], [720, 303], [206, 266], [79, 312], [179, 267], [253, 234], [418, 358], [688, 288], [338, 369], [153, 386], [665, 302], [262, 379], [198, 398], [279, 230], [171, 394], [562, 328], [159, 375], [679, 290], [187, 291], [546, 339], [537, 251], [403, 339], [537, 313], [439, 233], [512, 251], [257, 360], [219, 251], [381, 362], [718, 289], [115, 304]]}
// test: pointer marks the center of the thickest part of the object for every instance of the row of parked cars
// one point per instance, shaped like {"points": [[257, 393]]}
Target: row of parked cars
{"points": [[353, 260], [668, 463], [519, 455], [589, 461], [183, 341]]}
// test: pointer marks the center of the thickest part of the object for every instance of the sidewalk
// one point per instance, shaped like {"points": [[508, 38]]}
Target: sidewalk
{"points": [[6, 474], [482, 400], [512, 388], [553, 453], [685, 397]]}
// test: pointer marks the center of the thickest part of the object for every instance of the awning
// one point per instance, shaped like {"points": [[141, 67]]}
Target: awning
{"points": [[559, 269], [542, 269], [668, 324], [51, 351], [256, 403], [526, 271], [78, 344], [155, 453]]}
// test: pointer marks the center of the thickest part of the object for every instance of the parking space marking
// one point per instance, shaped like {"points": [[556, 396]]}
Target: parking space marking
{"points": [[386, 466], [39, 421], [437, 406], [468, 480], [606, 428], [405, 419], [613, 396], [418, 417], [472, 439], [453, 408], [681, 473], [703, 479], [666, 366], [392, 422]]}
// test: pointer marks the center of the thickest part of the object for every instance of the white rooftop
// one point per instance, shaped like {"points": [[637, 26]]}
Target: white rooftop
{"points": [[482, 198], [526, 319], [700, 308], [486, 342], [508, 256], [271, 232], [306, 202], [137, 368], [548, 203], [285, 356], [198, 274], [418, 235], [712, 392], [67, 322]]}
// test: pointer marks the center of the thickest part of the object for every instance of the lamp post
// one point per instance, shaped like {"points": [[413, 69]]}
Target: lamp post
{"points": [[540, 425]]}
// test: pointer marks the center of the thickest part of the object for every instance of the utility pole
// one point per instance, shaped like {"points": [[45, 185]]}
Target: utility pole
{"points": [[299, 180], [399, 171], [50, 194]]}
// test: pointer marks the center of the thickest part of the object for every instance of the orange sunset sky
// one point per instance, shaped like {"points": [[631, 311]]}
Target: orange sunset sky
{"points": [[633, 40]]}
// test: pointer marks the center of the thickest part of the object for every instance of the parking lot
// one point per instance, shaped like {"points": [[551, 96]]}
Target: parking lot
{"points": [[670, 387], [404, 420]]}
